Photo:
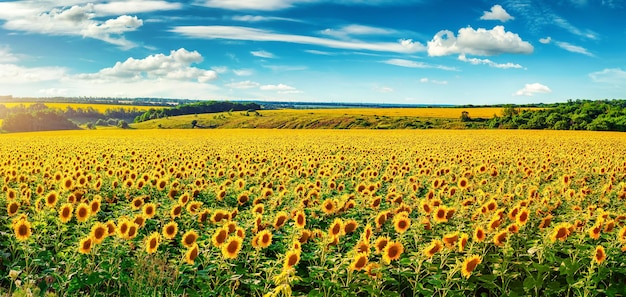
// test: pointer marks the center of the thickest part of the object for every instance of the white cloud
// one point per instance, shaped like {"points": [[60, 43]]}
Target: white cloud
{"points": [[414, 64], [74, 21], [425, 80], [6, 56], [134, 6], [15, 74], [573, 48], [283, 68], [545, 40], [243, 72], [262, 54], [383, 90], [497, 13], [51, 92], [278, 87], [316, 52], [346, 32], [268, 5], [243, 85], [175, 66], [476, 61], [481, 42], [534, 88], [219, 69], [259, 18], [254, 34], [615, 76]]}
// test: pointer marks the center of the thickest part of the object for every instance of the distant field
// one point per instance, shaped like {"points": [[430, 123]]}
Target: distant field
{"points": [[447, 113], [99, 107]]}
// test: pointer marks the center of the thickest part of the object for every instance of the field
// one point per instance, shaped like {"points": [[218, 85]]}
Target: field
{"points": [[346, 118], [101, 108], [313, 212]]}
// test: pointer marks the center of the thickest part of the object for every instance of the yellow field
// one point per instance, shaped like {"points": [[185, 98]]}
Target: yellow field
{"points": [[313, 213], [477, 112], [99, 107]]}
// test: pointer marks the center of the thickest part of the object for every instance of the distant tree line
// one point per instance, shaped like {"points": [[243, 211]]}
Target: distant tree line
{"points": [[596, 115], [195, 108], [40, 120]]}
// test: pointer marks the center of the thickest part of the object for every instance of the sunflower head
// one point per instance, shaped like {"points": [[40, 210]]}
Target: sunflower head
{"points": [[231, 248]]}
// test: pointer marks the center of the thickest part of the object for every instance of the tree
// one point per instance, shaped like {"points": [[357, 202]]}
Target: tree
{"points": [[122, 124], [465, 117], [194, 123]]}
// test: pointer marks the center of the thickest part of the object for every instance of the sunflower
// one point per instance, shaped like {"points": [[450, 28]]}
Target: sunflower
{"points": [[132, 230], [139, 219], [170, 229], [463, 242], [463, 183], [469, 265], [513, 228], [99, 232], [193, 207], [362, 247], [220, 236], [95, 205], [479, 234], [137, 203], [381, 218], [203, 216], [381, 243], [22, 229], [621, 235], [83, 212], [259, 208], [68, 183], [434, 247], [122, 227], [12, 208], [450, 239], [595, 231], [243, 198], [264, 238], [51, 199], [522, 216], [425, 206], [609, 226], [359, 262], [192, 254], [367, 232], [350, 226], [545, 222], [65, 212], [373, 270], [336, 228], [393, 250], [241, 232], [599, 255], [300, 219], [184, 198], [231, 248], [500, 238], [440, 214], [560, 232], [292, 257], [85, 245], [280, 220], [401, 223], [111, 228], [149, 210], [328, 206]]}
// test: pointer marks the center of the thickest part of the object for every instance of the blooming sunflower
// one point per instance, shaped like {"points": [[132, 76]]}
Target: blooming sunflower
{"points": [[381, 243], [560, 232], [479, 234], [231, 248], [51, 199], [434, 247], [22, 229], [292, 257], [280, 220], [401, 223], [65, 212], [170, 229], [350, 226], [149, 210], [336, 228], [359, 262], [189, 238], [99, 232], [264, 239], [500, 238], [393, 250], [192, 254], [85, 245], [220, 236], [599, 255], [83, 212], [469, 265], [300, 219], [328, 206]]}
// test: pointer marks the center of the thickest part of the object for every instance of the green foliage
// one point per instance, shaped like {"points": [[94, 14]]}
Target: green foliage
{"points": [[601, 115], [43, 120], [196, 108]]}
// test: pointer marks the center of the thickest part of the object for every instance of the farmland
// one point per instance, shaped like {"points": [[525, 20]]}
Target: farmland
{"points": [[313, 212], [101, 108]]}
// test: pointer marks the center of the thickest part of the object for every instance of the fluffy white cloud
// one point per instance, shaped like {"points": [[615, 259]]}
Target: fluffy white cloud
{"points": [[278, 87], [15, 74], [497, 13], [254, 34], [76, 20], [6, 56], [545, 40], [476, 61], [425, 80], [262, 54], [534, 88], [615, 76], [481, 42], [243, 85], [175, 66]]}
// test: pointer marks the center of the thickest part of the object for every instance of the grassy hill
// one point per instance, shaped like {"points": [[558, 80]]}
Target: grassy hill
{"points": [[352, 118]]}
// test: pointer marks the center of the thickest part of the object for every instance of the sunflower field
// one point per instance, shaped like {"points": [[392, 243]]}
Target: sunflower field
{"points": [[313, 213]]}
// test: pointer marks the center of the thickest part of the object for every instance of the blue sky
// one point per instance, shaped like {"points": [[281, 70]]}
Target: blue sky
{"points": [[377, 51]]}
